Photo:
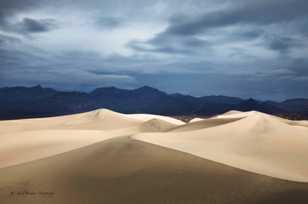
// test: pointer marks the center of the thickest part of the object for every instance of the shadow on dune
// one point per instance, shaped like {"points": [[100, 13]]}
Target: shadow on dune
{"points": [[285, 197], [127, 171]]}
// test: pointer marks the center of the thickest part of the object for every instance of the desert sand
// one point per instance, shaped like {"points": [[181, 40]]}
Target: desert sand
{"points": [[195, 120], [107, 157], [31, 139], [251, 141]]}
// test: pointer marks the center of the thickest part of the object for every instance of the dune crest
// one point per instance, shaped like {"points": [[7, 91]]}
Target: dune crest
{"points": [[258, 143], [204, 123], [101, 119], [156, 125], [31, 139], [147, 117], [195, 120]]}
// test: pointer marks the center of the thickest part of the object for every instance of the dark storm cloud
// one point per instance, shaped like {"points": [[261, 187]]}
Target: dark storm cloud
{"points": [[11, 7], [299, 67], [255, 14], [170, 45], [163, 49], [30, 25], [190, 42], [8, 9], [244, 12], [7, 6], [6, 40], [248, 35], [179, 36], [250, 13], [281, 44]]}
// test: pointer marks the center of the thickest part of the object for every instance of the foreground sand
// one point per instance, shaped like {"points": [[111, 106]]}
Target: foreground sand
{"points": [[128, 171], [108, 157]]}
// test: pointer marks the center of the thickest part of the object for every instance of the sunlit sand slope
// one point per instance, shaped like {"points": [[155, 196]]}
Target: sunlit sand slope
{"points": [[257, 142], [195, 120], [32, 145], [101, 119], [32, 139]]}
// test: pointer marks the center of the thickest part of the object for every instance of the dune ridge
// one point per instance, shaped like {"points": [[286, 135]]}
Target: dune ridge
{"points": [[122, 170], [204, 123], [250, 141], [256, 142], [31, 139]]}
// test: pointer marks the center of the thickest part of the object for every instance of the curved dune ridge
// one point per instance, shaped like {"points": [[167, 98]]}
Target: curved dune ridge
{"points": [[147, 117], [195, 120], [251, 141], [156, 125], [204, 123], [122, 170], [32, 139], [236, 114], [256, 142]]}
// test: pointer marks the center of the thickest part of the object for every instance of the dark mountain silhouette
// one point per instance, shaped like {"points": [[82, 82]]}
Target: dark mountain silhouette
{"points": [[28, 102]]}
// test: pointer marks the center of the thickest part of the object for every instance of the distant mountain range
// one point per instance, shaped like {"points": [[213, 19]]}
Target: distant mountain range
{"points": [[28, 102]]}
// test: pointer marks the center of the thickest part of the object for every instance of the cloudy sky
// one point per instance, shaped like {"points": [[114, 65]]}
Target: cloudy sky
{"points": [[246, 48]]}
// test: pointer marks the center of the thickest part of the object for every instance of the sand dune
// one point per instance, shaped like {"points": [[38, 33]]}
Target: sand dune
{"points": [[302, 123], [236, 114], [232, 112], [32, 139], [127, 171], [195, 120], [156, 125], [147, 117], [258, 143], [204, 123], [107, 157], [101, 119]]}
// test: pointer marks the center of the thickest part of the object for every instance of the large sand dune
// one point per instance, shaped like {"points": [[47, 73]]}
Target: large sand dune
{"points": [[101, 119], [127, 171], [107, 157], [31, 139], [258, 143]]}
